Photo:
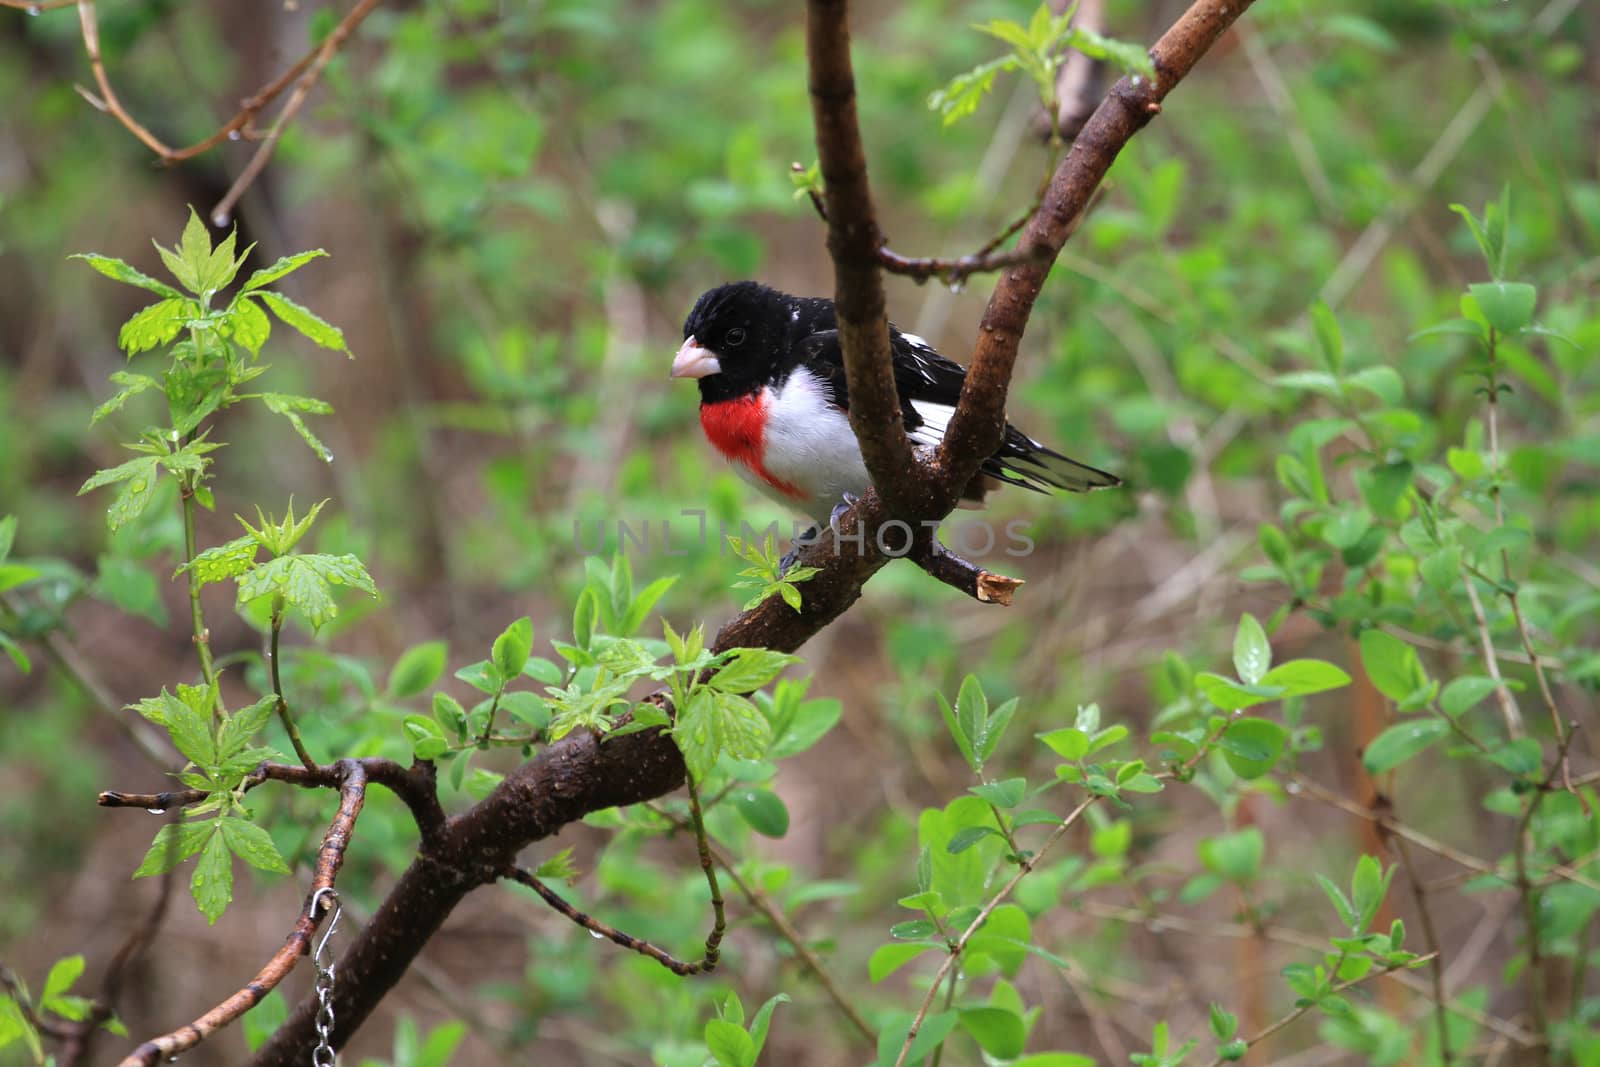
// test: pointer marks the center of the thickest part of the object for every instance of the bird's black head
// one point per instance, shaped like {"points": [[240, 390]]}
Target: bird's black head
{"points": [[737, 339]]}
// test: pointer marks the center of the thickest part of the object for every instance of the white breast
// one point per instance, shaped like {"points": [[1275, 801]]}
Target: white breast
{"points": [[809, 444]]}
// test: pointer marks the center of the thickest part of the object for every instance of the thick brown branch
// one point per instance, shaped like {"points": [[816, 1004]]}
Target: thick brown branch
{"points": [[853, 242], [979, 421], [330, 857]]}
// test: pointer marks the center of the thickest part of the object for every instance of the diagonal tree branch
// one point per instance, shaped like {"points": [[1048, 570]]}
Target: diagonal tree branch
{"points": [[975, 429], [853, 242]]}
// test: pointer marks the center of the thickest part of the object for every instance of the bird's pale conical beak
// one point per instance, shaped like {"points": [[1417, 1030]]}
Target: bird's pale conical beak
{"points": [[692, 361]]}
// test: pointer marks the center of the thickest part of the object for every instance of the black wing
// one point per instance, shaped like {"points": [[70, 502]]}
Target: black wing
{"points": [[929, 386]]}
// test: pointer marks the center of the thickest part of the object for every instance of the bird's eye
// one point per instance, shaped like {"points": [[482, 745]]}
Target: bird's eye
{"points": [[735, 336]]}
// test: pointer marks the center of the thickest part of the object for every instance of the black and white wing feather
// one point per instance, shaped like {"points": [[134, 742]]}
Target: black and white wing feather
{"points": [[929, 386]]}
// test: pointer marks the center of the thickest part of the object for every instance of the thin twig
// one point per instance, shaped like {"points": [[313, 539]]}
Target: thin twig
{"points": [[774, 915], [1430, 937], [284, 715], [107, 101], [330, 857], [1309, 1005], [611, 933], [414, 785], [330, 47], [703, 848]]}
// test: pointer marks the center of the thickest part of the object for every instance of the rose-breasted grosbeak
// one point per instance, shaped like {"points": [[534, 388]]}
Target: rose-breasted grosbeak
{"points": [[773, 402]]}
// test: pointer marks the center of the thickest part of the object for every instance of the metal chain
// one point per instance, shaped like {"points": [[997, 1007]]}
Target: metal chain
{"points": [[323, 1055]]}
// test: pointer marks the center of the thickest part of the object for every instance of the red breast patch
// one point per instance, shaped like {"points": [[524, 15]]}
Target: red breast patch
{"points": [[735, 428]]}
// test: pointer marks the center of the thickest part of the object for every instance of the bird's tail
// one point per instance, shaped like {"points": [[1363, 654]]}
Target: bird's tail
{"points": [[1025, 462]]}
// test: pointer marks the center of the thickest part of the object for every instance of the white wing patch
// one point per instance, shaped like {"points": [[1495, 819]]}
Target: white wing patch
{"points": [[914, 355], [935, 421]]}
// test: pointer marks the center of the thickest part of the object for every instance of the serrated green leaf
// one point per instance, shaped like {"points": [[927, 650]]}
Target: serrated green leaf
{"points": [[154, 326], [119, 271], [248, 325], [174, 843], [194, 249], [252, 844], [132, 385], [285, 265], [749, 669], [305, 321], [212, 883], [306, 583], [236, 731], [290, 408], [716, 724], [223, 561]]}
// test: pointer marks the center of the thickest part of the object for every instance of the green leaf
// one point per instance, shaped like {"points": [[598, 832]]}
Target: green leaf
{"points": [[1235, 856], [223, 561], [763, 809], [887, 959], [531, 710], [812, 719], [1463, 693], [1253, 747], [237, 730], [968, 836], [132, 385], [8, 536], [1229, 695], [1329, 337], [248, 325], [1003, 794], [749, 669], [913, 929], [1068, 742], [482, 676], [1223, 1024], [302, 319], [763, 1019], [417, 668], [64, 973], [956, 731], [1252, 654], [252, 844], [1131, 58], [138, 478], [1507, 305], [972, 716], [153, 327], [512, 647], [729, 1044], [892, 1037], [174, 843], [716, 724], [639, 609], [1300, 677], [998, 1031], [306, 583], [212, 883], [426, 737], [1401, 742], [1382, 381], [194, 249], [962, 95], [285, 265], [290, 407], [1392, 665], [120, 271], [18, 656]]}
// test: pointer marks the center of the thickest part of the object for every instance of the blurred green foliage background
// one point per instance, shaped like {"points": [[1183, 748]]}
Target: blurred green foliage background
{"points": [[521, 200]]}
